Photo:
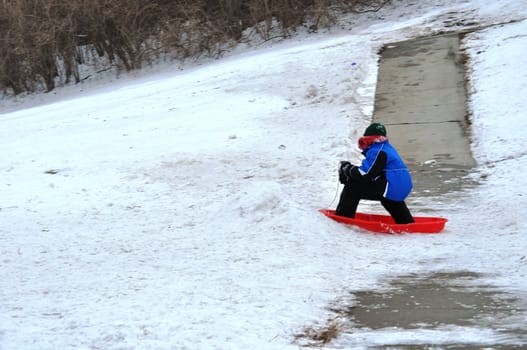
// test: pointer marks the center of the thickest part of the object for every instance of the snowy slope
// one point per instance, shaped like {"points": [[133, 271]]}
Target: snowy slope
{"points": [[177, 210]]}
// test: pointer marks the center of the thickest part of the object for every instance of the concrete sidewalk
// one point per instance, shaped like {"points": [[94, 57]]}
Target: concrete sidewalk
{"points": [[421, 99]]}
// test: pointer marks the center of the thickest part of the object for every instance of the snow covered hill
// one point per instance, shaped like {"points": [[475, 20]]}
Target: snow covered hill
{"points": [[178, 210]]}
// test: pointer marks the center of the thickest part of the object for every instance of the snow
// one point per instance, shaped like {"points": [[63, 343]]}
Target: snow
{"points": [[178, 209], [457, 335]]}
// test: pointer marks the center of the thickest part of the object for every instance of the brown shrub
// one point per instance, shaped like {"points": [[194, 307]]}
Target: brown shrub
{"points": [[45, 41]]}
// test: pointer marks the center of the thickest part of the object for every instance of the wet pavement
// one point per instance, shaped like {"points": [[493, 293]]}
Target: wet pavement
{"points": [[421, 99], [442, 301]]}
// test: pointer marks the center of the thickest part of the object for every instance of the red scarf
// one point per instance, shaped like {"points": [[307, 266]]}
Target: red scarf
{"points": [[367, 141]]}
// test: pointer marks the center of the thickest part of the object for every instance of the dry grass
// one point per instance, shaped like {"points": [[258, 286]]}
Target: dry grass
{"points": [[313, 337], [44, 42]]}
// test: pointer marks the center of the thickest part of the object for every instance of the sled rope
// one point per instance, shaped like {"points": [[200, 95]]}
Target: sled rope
{"points": [[336, 191]]}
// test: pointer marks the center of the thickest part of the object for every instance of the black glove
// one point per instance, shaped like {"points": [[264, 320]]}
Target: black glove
{"points": [[344, 172]]}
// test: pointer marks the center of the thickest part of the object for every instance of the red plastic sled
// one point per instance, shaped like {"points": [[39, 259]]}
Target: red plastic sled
{"points": [[385, 223]]}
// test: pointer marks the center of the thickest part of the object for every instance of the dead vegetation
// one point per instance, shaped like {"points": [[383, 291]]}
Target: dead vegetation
{"points": [[45, 42], [319, 336]]}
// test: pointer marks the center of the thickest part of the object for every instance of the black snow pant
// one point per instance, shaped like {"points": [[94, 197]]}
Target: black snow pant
{"points": [[353, 192]]}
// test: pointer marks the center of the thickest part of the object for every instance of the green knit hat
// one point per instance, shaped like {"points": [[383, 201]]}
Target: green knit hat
{"points": [[375, 129]]}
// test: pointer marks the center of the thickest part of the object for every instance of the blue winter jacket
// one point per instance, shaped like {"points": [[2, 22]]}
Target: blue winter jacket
{"points": [[399, 180]]}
